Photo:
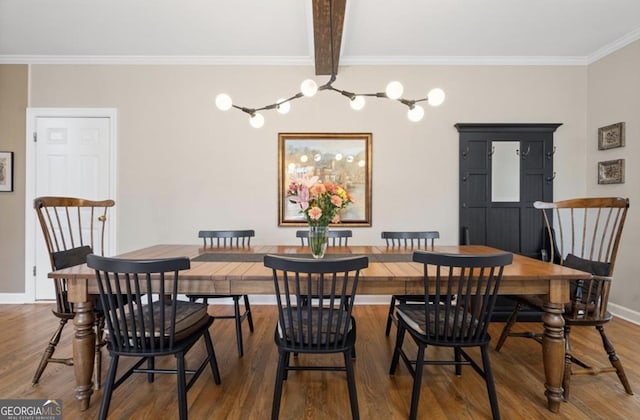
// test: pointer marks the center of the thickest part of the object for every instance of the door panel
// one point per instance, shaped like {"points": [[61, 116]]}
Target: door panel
{"points": [[72, 159]]}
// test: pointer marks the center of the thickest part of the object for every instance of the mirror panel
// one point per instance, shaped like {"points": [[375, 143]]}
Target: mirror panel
{"points": [[505, 171]]}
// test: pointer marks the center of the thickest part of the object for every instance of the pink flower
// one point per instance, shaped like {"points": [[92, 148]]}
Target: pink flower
{"points": [[317, 190], [336, 200], [336, 219], [315, 213]]}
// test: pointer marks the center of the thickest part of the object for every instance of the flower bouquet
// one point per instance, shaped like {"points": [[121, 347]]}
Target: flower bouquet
{"points": [[320, 202]]}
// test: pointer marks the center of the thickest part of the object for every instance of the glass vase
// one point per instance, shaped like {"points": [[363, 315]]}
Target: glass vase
{"points": [[318, 236]]}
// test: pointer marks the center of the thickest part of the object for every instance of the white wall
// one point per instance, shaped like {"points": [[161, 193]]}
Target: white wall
{"points": [[614, 96]]}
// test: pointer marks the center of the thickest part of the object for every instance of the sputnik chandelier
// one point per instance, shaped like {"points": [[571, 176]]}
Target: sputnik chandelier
{"points": [[309, 88]]}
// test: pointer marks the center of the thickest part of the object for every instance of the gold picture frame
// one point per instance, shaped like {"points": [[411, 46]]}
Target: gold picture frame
{"points": [[342, 158], [611, 172], [611, 136]]}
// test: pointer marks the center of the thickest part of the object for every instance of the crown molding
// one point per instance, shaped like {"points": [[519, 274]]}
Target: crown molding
{"points": [[614, 46], [466, 61], [158, 60]]}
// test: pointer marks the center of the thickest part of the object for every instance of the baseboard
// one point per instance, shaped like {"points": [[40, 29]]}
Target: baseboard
{"points": [[15, 298], [360, 299], [624, 313]]}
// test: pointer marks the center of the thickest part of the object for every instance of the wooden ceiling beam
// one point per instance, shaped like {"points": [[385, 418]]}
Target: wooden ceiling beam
{"points": [[324, 13]]}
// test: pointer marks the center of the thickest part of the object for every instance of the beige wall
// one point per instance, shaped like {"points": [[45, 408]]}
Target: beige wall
{"points": [[614, 96], [183, 165], [13, 103]]}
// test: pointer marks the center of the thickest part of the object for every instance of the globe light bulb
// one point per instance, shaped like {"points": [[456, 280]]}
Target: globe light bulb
{"points": [[308, 88], [283, 107], [256, 120], [436, 97], [416, 113], [394, 90], [223, 102], [357, 103]]}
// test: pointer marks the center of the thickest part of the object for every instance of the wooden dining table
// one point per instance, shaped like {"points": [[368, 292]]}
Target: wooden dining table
{"points": [[390, 271]]}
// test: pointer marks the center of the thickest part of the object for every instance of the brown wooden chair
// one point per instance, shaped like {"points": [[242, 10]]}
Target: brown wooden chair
{"points": [[145, 320], [406, 240], [72, 228], [314, 315], [584, 234], [336, 237], [229, 239], [464, 290]]}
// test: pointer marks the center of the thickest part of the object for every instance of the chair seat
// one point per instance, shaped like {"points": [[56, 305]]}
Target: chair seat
{"points": [[581, 317], [319, 317], [414, 317], [190, 317]]}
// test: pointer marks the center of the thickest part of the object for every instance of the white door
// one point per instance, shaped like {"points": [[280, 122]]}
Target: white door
{"points": [[73, 157]]}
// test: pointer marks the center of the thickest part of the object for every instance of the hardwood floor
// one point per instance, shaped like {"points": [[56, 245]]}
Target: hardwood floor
{"points": [[247, 383]]}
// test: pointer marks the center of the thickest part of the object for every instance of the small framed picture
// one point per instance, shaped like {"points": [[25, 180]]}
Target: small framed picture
{"points": [[611, 172], [6, 171], [611, 136]]}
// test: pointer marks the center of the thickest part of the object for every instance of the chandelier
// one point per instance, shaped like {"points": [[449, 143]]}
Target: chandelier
{"points": [[309, 88]]}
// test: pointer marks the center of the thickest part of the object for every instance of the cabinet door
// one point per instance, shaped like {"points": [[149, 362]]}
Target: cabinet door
{"points": [[510, 225]]}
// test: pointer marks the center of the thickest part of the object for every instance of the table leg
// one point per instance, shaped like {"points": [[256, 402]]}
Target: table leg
{"points": [[553, 343], [84, 352]]}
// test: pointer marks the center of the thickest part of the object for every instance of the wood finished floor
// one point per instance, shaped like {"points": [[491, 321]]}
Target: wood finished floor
{"points": [[247, 383]]}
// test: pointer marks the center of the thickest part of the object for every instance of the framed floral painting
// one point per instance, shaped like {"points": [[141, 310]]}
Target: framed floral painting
{"points": [[611, 136], [333, 159], [6, 171]]}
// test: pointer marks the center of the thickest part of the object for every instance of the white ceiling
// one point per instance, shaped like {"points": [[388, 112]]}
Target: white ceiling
{"points": [[281, 31]]}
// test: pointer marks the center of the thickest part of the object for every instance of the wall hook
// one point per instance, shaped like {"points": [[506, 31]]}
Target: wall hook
{"points": [[524, 154], [549, 179], [550, 154]]}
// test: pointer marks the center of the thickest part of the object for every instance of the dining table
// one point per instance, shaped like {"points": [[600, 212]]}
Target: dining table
{"points": [[391, 271]]}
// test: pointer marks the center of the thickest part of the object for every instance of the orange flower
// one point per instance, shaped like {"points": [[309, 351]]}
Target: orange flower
{"points": [[315, 213]]}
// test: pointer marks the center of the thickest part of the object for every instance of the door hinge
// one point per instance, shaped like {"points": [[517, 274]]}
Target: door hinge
{"points": [[34, 271], [35, 136]]}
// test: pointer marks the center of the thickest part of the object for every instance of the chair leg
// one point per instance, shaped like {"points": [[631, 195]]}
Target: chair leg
{"points": [[398, 349], [97, 363], [491, 387], [182, 387], [48, 352], [417, 382], [458, 359], [247, 309], [213, 362], [392, 307], [351, 382], [568, 361], [277, 391], [151, 364], [108, 388], [615, 361], [238, 319], [507, 328]]}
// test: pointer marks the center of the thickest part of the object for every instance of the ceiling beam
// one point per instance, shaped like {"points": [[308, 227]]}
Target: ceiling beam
{"points": [[326, 12]]}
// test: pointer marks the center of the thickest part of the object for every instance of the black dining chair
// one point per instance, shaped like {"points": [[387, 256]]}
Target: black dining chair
{"points": [[225, 240], [409, 241], [314, 315], [145, 320], [465, 288], [336, 237]]}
